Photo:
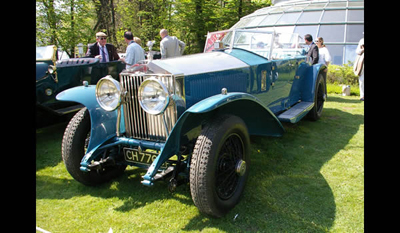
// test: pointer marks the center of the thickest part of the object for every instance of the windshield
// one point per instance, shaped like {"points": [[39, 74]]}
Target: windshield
{"points": [[44, 53], [268, 44]]}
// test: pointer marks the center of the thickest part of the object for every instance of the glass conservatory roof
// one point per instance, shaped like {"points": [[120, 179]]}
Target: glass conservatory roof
{"points": [[339, 22]]}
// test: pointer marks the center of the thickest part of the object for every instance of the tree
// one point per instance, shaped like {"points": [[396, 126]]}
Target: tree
{"points": [[105, 18], [46, 23], [144, 18], [66, 23]]}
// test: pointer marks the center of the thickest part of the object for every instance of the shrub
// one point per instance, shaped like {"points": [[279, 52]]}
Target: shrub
{"points": [[342, 74]]}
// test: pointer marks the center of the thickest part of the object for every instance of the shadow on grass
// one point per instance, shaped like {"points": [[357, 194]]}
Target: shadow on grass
{"points": [[126, 188], [285, 191], [343, 100]]}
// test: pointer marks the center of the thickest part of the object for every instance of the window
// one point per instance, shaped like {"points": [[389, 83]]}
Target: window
{"points": [[354, 32], [332, 33], [270, 20], [336, 5], [242, 23], [333, 16], [302, 30], [289, 18], [336, 52], [296, 8], [310, 17], [350, 53], [254, 21], [355, 15], [356, 4], [315, 6]]}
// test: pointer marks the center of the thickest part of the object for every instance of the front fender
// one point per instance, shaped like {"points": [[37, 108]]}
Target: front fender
{"points": [[103, 123], [259, 120]]}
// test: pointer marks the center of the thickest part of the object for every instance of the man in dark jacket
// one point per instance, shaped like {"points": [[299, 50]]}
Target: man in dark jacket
{"points": [[105, 52], [313, 53]]}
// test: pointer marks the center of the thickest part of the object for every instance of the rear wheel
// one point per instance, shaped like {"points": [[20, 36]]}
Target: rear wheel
{"points": [[74, 144], [319, 98], [220, 165]]}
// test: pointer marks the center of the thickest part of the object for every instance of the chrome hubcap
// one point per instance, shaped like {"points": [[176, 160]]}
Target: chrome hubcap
{"points": [[241, 167]]}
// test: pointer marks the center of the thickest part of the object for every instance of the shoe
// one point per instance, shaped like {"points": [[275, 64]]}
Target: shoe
{"points": [[361, 99]]}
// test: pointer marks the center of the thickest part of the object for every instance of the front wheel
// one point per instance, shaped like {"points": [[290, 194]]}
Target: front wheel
{"points": [[220, 165], [73, 148]]}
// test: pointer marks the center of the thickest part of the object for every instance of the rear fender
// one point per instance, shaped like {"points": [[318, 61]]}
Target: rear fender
{"points": [[259, 121], [103, 123], [311, 75]]}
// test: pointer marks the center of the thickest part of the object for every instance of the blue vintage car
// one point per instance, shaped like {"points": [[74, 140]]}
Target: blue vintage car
{"points": [[188, 119]]}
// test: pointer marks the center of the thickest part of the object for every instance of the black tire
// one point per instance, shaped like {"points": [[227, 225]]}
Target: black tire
{"points": [[73, 148], [220, 165], [319, 99]]}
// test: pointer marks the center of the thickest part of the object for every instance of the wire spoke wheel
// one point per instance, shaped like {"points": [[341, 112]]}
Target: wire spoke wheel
{"points": [[226, 174]]}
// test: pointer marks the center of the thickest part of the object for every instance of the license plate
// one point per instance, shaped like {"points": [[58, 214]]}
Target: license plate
{"points": [[143, 157]]}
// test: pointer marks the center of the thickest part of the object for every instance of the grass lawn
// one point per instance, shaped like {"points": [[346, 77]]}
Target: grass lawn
{"points": [[337, 89], [309, 180]]}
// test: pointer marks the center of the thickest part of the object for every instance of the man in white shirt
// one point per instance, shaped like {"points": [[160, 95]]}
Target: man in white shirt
{"points": [[134, 53], [170, 46]]}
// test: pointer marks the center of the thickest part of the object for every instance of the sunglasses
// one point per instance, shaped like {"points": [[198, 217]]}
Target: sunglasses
{"points": [[102, 38]]}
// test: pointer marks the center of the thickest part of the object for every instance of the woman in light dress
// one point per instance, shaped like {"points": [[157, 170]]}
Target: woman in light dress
{"points": [[324, 55]]}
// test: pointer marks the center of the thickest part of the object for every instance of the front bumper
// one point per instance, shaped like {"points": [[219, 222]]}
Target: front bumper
{"points": [[117, 144]]}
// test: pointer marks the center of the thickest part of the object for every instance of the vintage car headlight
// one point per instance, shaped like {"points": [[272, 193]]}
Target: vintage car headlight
{"points": [[153, 96], [108, 93]]}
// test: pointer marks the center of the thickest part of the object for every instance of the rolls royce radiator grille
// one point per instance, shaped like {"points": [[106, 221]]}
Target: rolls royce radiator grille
{"points": [[138, 123]]}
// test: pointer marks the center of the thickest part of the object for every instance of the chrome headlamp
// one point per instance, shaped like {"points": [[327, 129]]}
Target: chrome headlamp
{"points": [[153, 96], [108, 93]]}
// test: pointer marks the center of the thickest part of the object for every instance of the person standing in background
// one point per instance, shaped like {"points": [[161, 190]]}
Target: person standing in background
{"points": [[138, 41], [170, 46], [358, 67], [313, 54], [102, 50], [134, 53], [323, 52]]}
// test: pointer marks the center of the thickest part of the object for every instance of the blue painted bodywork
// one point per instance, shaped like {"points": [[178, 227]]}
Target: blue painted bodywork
{"points": [[103, 123], [258, 90]]}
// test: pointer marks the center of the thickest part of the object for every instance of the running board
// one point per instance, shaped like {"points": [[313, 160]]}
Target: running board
{"points": [[295, 113]]}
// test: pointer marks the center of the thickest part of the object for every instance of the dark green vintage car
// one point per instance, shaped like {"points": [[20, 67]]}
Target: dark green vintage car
{"points": [[54, 76]]}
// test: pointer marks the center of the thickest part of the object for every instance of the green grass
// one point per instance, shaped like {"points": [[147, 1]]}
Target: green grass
{"points": [[337, 89], [309, 180]]}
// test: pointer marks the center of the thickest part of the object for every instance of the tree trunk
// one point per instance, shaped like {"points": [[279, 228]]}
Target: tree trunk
{"points": [[73, 39]]}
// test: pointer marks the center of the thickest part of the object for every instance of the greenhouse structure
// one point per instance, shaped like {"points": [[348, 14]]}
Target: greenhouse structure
{"points": [[340, 23]]}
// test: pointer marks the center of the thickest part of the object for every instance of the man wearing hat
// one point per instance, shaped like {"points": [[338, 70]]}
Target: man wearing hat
{"points": [[105, 52]]}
